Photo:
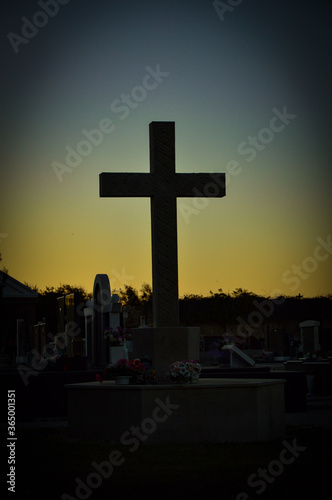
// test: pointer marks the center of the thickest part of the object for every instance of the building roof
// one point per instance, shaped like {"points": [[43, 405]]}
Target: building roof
{"points": [[14, 289]]}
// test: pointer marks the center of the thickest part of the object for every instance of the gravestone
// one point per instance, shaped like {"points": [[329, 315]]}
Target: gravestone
{"points": [[277, 341], [88, 331], [21, 342], [40, 340], [166, 342], [70, 340], [69, 322], [116, 310], [309, 336], [60, 337], [61, 315], [103, 311]]}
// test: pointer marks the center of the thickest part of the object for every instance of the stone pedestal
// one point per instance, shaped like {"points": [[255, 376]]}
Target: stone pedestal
{"points": [[309, 336], [213, 410], [118, 352], [321, 371], [164, 345]]}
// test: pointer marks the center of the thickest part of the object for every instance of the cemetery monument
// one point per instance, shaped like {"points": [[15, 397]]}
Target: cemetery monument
{"points": [[166, 341], [212, 410]]}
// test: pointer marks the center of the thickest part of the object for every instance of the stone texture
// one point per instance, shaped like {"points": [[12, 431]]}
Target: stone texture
{"points": [[166, 345], [214, 410]]}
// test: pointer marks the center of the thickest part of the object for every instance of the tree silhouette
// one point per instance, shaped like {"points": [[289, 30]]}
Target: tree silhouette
{"points": [[129, 296]]}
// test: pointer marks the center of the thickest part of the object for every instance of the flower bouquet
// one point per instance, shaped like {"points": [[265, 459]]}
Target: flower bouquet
{"points": [[116, 336], [136, 367], [132, 369], [185, 371]]}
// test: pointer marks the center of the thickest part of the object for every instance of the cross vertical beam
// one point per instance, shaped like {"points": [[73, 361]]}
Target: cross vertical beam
{"points": [[164, 225]]}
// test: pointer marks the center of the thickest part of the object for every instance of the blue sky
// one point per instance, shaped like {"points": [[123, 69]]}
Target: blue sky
{"points": [[226, 79]]}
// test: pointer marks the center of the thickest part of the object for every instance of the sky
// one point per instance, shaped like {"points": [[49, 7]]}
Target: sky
{"points": [[248, 85]]}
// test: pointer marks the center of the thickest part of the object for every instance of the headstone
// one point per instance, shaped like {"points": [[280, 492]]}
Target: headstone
{"points": [[115, 312], [40, 340], [60, 343], [21, 354], [60, 338], [309, 336], [238, 359], [142, 322], [61, 315], [69, 339], [74, 328], [167, 341], [78, 347], [277, 341], [103, 311], [69, 322], [88, 330]]}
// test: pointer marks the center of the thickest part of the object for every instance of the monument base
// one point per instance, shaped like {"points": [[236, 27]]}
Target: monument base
{"points": [[213, 410], [165, 345]]}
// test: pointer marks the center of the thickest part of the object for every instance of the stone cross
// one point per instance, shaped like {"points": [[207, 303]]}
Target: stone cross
{"points": [[163, 186]]}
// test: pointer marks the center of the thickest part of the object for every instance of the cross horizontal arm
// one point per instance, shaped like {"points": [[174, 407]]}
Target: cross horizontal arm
{"points": [[194, 185], [125, 185], [148, 185]]}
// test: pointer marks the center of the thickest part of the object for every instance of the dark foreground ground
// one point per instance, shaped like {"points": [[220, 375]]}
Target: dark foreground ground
{"points": [[51, 465]]}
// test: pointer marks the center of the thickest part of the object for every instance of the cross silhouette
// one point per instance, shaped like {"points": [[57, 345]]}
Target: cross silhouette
{"points": [[163, 185]]}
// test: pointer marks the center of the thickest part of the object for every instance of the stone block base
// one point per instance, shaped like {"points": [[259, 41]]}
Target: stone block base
{"points": [[213, 410], [164, 345]]}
